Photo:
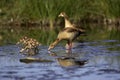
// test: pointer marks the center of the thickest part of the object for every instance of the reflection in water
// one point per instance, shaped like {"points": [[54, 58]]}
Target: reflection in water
{"points": [[68, 60], [98, 62], [30, 60]]}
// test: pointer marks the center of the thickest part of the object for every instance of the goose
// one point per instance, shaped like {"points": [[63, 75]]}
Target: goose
{"points": [[69, 34]]}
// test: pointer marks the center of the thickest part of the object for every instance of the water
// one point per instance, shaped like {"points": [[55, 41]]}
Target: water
{"points": [[103, 62], [93, 57]]}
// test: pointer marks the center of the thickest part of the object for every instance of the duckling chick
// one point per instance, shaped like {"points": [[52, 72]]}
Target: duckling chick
{"points": [[22, 41], [29, 45], [29, 50], [69, 34]]}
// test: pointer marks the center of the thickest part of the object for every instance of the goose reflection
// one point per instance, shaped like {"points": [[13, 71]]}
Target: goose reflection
{"points": [[68, 60]]}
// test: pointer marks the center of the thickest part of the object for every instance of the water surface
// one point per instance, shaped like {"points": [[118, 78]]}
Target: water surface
{"points": [[103, 63], [100, 49]]}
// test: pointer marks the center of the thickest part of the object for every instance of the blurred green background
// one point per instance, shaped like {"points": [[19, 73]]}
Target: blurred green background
{"points": [[39, 19]]}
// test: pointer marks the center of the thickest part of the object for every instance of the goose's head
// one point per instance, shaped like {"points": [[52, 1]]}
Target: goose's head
{"points": [[62, 14]]}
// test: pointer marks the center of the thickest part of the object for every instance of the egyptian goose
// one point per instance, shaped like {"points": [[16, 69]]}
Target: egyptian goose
{"points": [[69, 34]]}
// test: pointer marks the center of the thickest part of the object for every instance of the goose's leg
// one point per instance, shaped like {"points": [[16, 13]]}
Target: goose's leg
{"points": [[69, 45], [68, 51]]}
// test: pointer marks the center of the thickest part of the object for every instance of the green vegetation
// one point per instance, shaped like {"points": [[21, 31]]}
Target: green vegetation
{"points": [[46, 11], [11, 35]]}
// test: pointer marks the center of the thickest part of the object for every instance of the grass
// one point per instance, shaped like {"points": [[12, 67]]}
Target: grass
{"points": [[46, 36], [47, 11], [12, 35]]}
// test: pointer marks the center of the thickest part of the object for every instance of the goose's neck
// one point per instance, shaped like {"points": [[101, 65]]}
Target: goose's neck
{"points": [[67, 22]]}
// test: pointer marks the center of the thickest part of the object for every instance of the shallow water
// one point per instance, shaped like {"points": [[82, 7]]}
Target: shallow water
{"points": [[103, 62]]}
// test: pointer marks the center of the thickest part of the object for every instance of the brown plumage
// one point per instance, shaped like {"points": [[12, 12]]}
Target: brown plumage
{"points": [[69, 34]]}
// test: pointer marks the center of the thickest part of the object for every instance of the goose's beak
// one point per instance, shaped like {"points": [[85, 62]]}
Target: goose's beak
{"points": [[82, 30], [59, 15]]}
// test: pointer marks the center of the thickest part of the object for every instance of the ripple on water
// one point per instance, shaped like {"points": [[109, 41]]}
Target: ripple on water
{"points": [[103, 64]]}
